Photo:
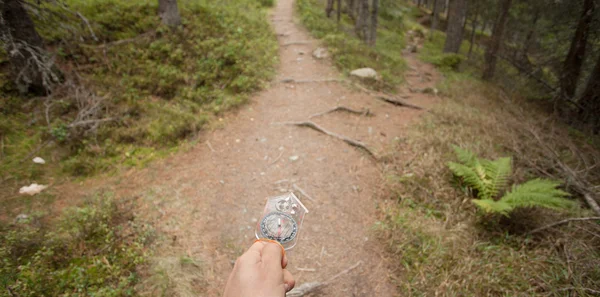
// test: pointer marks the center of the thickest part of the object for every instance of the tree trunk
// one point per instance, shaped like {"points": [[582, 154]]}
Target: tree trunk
{"points": [[374, 14], [473, 29], [456, 18], [362, 20], [24, 46], [329, 8], [572, 65], [590, 100], [169, 13], [434, 17], [496, 40], [339, 10]]}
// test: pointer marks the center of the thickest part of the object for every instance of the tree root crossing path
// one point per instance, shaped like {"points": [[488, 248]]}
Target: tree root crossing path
{"points": [[311, 132]]}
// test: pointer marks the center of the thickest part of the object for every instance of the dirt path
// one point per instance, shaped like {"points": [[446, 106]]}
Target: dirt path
{"points": [[207, 200]]}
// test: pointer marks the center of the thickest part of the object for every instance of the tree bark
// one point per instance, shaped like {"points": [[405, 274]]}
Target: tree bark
{"points": [[169, 13], [24, 47], [496, 40], [456, 19], [329, 8], [339, 10], [362, 20], [571, 69], [590, 100], [374, 24], [473, 29], [434, 17]]}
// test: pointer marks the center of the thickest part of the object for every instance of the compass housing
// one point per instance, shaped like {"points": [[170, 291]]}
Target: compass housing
{"points": [[282, 220]]}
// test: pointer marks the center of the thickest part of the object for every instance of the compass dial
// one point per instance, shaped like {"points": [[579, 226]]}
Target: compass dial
{"points": [[279, 226]]}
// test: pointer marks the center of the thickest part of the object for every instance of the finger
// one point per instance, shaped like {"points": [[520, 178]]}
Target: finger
{"points": [[284, 261], [272, 256], [253, 255], [288, 279]]}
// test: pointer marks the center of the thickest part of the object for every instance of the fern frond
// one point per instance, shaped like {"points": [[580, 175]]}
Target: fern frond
{"points": [[470, 176], [497, 172], [538, 192], [464, 156], [491, 206]]}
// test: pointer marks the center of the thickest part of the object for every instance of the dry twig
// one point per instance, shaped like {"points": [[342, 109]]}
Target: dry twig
{"points": [[303, 192], [296, 42], [349, 141], [563, 222], [365, 112], [308, 288]]}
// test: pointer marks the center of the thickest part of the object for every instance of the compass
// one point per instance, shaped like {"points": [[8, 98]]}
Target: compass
{"points": [[279, 226]]}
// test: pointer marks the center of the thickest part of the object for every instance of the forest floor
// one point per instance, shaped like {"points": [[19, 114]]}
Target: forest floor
{"points": [[207, 200]]}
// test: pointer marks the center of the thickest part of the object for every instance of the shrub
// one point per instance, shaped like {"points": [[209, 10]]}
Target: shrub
{"points": [[92, 250], [489, 178]]}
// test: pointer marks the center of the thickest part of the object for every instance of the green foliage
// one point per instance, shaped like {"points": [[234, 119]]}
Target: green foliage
{"points": [[92, 250], [267, 3], [161, 86], [349, 52], [489, 178]]}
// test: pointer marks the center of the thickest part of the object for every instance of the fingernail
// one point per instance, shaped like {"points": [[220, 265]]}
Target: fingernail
{"points": [[286, 286]]}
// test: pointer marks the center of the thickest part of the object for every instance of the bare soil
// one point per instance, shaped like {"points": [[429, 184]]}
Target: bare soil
{"points": [[206, 201]]}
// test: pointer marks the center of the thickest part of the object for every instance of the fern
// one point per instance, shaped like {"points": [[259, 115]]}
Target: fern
{"points": [[490, 178], [538, 192], [464, 156]]}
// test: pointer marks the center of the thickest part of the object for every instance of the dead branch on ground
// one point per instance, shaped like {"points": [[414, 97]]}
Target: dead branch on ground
{"points": [[563, 222], [364, 112], [349, 141], [308, 288]]}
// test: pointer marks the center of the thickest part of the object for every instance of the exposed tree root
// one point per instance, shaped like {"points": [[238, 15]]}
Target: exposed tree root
{"points": [[308, 288], [349, 141], [296, 43], [303, 81], [398, 102], [365, 112]]}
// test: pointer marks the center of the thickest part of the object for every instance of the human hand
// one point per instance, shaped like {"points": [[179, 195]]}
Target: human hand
{"points": [[260, 272]]}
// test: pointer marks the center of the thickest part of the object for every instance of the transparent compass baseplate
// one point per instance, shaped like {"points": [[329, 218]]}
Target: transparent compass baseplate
{"points": [[282, 220]]}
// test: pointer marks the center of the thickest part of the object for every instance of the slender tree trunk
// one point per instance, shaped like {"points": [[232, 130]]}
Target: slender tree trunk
{"points": [[24, 46], [169, 13], [339, 10], [374, 24], [590, 100], [362, 21], [473, 29], [329, 8], [497, 36], [419, 3], [571, 69], [434, 17], [454, 33]]}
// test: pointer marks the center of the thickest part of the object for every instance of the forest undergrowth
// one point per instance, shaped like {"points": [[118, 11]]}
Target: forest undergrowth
{"points": [[438, 242]]}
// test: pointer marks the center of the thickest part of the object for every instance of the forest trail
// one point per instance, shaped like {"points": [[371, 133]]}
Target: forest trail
{"points": [[207, 200]]}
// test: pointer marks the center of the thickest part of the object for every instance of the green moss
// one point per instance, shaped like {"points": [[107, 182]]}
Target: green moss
{"points": [[161, 86], [93, 250]]}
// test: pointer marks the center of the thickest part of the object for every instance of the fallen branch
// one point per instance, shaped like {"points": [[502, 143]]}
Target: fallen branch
{"points": [[563, 222], [121, 41], [349, 141], [308, 288], [591, 202], [278, 157], [303, 192], [365, 112], [398, 102]]}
